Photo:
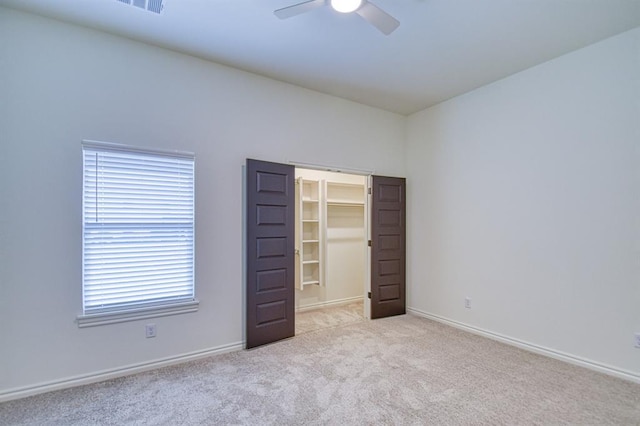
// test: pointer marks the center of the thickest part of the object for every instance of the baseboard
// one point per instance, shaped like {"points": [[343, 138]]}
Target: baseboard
{"points": [[100, 376], [552, 353], [338, 302]]}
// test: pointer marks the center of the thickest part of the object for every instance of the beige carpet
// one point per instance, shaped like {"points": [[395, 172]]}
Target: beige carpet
{"points": [[403, 370], [335, 316]]}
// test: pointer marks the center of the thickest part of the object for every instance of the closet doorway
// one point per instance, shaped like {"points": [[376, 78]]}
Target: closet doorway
{"points": [[332, 256], [272, 277]]}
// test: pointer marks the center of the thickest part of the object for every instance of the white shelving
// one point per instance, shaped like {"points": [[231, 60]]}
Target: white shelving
{"points": [[345, 194], [310, 233], [329, 213], [331, 237]]}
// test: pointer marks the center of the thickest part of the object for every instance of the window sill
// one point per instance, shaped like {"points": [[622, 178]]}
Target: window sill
{"points": [[93, 320]]}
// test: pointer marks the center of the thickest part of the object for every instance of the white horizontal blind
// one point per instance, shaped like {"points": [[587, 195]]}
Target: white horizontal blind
{"points": [[138, 228]]}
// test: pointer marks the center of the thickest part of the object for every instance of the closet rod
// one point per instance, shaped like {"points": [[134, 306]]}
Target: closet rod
{"points": [[336, 169]]}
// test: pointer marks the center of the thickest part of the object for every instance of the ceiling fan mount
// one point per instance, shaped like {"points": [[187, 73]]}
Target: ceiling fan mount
{"points": [[371, 13]]}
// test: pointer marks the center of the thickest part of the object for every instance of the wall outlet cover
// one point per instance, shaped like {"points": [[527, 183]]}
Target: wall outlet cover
{"points": [[150, 330]]}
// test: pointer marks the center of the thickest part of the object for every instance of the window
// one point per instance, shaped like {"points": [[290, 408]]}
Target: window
{"points": [[138, 233]]}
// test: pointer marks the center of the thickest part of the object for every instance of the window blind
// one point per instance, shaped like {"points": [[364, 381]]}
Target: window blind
{"points": [[138, 228]]}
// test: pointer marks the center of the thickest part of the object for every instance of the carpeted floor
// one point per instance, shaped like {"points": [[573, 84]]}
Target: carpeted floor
{"points": [[335, 316], [404, 370]]}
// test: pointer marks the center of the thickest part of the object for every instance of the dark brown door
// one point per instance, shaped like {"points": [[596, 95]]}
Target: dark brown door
{"points": [[388, 248], [270, 252]]}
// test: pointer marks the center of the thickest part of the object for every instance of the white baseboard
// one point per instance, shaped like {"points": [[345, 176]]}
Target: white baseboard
{"points": [[552, 353], [338, 302], [22, 392]]}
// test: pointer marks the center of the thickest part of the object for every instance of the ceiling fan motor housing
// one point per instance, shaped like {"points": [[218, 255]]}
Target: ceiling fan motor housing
{"points": [[346, 6]]}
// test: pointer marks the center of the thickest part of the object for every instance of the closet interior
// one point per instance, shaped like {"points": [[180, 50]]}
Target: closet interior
{"points": [[331, 239]]}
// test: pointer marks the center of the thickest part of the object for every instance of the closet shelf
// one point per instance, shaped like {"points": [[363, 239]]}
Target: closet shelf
{"points": [[351, 194], [345, 203], [309, 235], [347, 238]]}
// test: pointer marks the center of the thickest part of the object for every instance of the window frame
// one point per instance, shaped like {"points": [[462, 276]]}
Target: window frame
{"points": [[143, 310]]}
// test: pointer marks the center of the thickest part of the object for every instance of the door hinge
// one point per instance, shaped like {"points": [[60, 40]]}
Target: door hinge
{"points": [[369, 295], [369, 243], [369, 191]]}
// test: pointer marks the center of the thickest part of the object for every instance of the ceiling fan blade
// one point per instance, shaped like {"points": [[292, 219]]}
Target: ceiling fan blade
{"points": [[297, 9], [378, 18]]}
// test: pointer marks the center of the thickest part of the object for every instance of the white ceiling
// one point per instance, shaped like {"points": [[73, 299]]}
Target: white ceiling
{"points": [[442, 48]]}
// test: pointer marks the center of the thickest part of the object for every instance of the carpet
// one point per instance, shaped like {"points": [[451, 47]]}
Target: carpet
{"points": [[404, 370], [334, 316]]}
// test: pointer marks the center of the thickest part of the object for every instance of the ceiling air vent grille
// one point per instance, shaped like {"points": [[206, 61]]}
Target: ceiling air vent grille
{"points": [[155, 6]]}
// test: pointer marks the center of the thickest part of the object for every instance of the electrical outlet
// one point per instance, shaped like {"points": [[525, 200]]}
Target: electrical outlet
{"points": [[150, 330], [637, 340], [467, 302]]}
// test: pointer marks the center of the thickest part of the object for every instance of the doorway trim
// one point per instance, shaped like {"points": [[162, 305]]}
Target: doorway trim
{"points": [[335, 169], [366, 177]]}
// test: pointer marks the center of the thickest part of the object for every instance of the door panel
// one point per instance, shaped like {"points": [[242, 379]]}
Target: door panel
{"points": [[270, 252], [388, 247]]}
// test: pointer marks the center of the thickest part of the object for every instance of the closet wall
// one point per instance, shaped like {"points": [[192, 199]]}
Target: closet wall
{"points": [[333, 270]]}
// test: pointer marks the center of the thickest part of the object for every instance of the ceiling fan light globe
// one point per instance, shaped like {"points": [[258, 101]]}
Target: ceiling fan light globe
{"points": [[346, 6]]}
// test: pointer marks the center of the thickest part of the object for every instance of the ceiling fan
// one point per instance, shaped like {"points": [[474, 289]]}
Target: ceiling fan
{"points": [[367, 10]]}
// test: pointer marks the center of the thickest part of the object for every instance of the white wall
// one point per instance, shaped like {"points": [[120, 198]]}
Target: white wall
{"points": [[61, 84], [524, 195]]}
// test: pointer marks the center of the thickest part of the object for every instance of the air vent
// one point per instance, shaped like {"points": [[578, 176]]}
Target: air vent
{"points": [[154, 6]]}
